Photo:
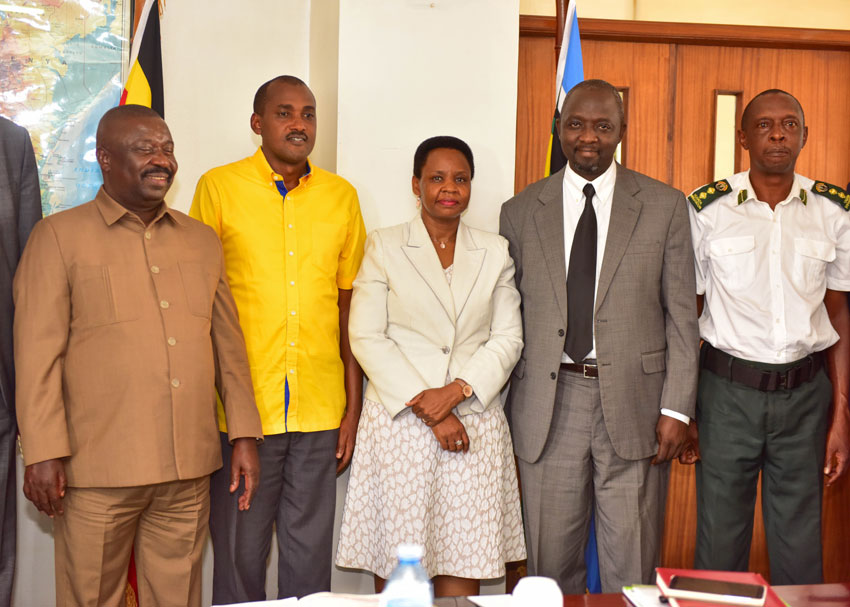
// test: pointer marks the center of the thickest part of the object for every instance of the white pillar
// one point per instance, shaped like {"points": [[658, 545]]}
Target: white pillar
{"points": [[412, 69]]}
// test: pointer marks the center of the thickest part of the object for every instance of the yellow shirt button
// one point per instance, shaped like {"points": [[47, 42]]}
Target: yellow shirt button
{"points": [[155, 269], [172, 341], [175, 382], [147, 235], [164, 304]]}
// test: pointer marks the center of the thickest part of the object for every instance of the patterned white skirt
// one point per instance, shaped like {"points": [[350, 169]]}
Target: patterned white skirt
{"points": [[462, 507]]}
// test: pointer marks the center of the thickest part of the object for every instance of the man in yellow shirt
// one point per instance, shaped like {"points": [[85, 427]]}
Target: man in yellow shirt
{"points": [[293, 240]]}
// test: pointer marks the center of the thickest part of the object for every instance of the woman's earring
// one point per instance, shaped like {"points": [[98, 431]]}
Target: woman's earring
{"points": [[418, 202]]}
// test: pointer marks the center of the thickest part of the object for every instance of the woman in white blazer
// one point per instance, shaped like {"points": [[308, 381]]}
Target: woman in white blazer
{"points": [[435, 324]]}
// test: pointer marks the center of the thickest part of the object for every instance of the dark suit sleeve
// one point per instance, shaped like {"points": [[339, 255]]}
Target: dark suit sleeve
{"points": [[30, 211], [678, 292]]}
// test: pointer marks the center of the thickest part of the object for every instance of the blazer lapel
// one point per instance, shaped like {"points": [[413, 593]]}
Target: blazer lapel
{"points": [[467, 265], [420, 251], [549, 218], [625, 210]]}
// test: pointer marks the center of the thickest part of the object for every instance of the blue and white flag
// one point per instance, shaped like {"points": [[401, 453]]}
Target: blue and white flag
{"points": [[570, 73]]}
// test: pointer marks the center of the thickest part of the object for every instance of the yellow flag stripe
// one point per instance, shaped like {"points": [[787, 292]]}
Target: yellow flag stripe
{"points": [[137, 90], [548, 169]]}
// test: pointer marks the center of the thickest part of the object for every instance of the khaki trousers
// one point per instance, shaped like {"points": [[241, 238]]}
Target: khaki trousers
{"points": [[165, 523]]}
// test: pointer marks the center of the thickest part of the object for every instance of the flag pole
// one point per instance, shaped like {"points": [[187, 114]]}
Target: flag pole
{"points": [[560, 22]]}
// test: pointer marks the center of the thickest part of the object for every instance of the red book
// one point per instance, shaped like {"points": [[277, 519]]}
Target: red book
{"points": [[664, 576]]}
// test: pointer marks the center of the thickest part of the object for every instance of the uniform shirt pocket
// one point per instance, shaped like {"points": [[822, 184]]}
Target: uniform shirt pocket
{"points": [[810, 260], [733, 261]]}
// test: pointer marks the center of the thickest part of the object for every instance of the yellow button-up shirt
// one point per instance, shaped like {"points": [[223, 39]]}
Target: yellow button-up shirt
{"points": [[287, 255]]}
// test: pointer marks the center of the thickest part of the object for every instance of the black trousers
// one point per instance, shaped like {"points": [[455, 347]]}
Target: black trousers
{"points": [[781, 434], [296, 495]]}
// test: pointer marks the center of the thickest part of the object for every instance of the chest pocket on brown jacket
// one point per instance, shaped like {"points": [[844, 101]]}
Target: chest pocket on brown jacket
{"points": [[103, 295], [199, 283]]}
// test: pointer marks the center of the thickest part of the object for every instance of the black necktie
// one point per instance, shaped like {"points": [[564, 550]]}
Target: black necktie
{"points": [[581, 282]]}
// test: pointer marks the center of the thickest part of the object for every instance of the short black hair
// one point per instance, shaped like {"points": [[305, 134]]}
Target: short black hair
{"points": [[260, 95], [599, 85], [746, 113], [113, 115], [435, 143]]}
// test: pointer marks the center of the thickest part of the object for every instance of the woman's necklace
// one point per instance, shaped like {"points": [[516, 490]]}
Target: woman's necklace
{"points": [[443, 243]]}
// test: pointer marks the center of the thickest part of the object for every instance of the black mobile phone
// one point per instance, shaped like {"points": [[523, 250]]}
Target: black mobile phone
{"points": [[693, 584]]}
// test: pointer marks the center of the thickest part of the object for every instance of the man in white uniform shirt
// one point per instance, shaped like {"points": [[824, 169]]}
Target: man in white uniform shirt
{"points": [[772, 256]]}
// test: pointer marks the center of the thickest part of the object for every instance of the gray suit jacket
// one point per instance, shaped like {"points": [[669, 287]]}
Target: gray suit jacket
{"points": [[20, 209], [647, 338]]}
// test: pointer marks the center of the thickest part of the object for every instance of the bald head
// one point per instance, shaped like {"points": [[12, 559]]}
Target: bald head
{"points": [[263, 92], [136, 157], [595, 84], [748, 110], [111, 122]]}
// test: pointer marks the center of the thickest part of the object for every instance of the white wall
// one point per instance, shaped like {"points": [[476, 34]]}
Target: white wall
{"points": [[413, 69], [214, 59]]}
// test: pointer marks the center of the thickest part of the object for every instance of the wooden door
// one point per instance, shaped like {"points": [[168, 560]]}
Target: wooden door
{"points": [[670, 74]]}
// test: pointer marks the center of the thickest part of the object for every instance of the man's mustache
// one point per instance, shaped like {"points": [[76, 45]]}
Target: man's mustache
{"points": [[158, 171]]}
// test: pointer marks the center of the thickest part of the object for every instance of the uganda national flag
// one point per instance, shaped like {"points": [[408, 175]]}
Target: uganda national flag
{"points": [[144, 82], [570, 73]]}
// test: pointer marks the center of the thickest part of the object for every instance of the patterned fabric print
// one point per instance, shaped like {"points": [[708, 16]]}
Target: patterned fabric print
{"points": [[404, 488], [463, 507]]}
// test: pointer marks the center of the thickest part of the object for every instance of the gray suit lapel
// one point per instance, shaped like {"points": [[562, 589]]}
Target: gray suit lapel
{"points": [[549, 219], [625, 210], [420, 251], [467, 265]]}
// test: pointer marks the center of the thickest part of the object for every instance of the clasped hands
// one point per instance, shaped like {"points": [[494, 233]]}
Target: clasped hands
{"points": [[434, 407]]}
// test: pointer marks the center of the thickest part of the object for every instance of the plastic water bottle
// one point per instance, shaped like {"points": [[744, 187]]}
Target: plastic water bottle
{"points": [[408, 585]]}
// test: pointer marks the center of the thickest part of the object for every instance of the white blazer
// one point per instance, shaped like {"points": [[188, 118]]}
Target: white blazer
{"points": [[410, 330]]}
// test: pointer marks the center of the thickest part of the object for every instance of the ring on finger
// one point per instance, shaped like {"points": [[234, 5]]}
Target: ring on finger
{"points": [[458, 443]]}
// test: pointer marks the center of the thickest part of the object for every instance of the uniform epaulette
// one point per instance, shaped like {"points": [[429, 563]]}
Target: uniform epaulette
{"points": [[834, 193], [707, 194]]}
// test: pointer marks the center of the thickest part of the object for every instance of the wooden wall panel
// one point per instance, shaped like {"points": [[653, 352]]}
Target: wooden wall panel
{"points": [[672, 72], [643, 69], [535, 106], [805, 74]]}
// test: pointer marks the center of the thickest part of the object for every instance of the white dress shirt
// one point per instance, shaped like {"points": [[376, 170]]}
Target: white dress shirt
{"points": [[764, 273], [574, 207]]}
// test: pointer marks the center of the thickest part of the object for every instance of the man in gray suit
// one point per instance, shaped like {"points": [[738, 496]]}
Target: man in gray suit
{"points": [[20, 209], [601, 398]]}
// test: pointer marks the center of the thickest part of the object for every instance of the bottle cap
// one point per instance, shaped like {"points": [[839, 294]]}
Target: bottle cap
{"points": [[410, 552]]}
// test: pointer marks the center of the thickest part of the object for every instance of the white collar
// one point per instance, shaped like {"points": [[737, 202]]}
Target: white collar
{"points": [[603, 185]]}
